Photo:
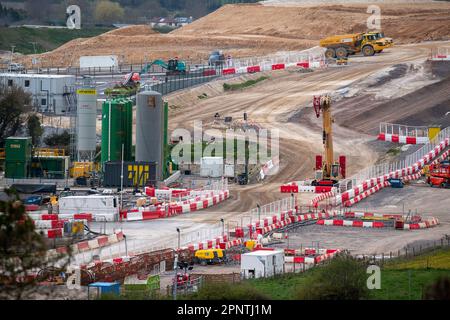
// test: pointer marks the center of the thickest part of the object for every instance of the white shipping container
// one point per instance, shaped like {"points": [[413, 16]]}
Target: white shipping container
{"points": [[261, 264], [98, 62], [229, 171], [97, 205], [211, 167]]}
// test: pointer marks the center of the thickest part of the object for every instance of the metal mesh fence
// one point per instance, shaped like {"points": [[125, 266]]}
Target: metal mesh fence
{"points": [[387, 167]]}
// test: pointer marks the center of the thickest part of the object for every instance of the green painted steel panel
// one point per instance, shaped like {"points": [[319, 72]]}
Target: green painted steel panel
{"points": [[117, 120], [16, 169], [18, 149], [48, 167]]}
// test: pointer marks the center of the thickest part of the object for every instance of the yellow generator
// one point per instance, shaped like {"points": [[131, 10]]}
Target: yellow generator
{"points": [[250, 244], [209, 256], [82, 169]]}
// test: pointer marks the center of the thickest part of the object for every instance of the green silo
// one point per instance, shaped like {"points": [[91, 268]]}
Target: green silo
{"points": [[117, 119]]}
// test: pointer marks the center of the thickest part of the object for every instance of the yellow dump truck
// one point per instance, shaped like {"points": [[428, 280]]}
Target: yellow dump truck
{"points": [[341, 46], [209, 256]]}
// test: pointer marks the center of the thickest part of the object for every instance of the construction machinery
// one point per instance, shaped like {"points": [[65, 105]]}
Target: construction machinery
{"points": [[328, 171], [173, 66], [82, 169], [388, 42], [439, 175], [340, 46], [129, 86], [209, 256], [216, 58]]}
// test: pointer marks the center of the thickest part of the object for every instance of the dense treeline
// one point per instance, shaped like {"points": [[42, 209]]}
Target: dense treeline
{"points": [[120, 11]]}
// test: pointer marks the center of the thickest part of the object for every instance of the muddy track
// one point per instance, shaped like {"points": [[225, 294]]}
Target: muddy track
{"points": [[275, 101]]}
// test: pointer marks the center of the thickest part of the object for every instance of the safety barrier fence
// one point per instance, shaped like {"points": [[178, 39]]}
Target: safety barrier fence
{"points": [[408, 252], [403, 134], [440, 54], [388, 167], [313, 56]]}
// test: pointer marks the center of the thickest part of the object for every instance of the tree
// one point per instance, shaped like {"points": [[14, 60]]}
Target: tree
{"points": [[14, 104], [35, 129], [60, 140], [108, 12], [38, 10], [344, 278], [22, 250]]}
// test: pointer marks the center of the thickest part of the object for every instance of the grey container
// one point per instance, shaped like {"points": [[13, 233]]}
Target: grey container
{"points": [[135, 174], [150, 129]]}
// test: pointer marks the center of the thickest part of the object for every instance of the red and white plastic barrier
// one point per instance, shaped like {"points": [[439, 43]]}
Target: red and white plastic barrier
{"points": [[372, 215], [352, 223], [52, 233], [180, 207], [402, 139], [411, 170], [47, 217], [304, 256], [365, 194], [428, 223], [98, 242], [287, 217], [295, 187]]}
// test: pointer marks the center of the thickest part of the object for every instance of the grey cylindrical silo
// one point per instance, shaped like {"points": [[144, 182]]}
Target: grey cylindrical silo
{"points": [[150, 129], [86, 123]]}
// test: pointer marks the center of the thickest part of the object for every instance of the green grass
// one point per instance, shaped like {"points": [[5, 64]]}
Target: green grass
{"points": [[282, 287], [395, 283], [395, 278], [47, 39], [243, 85], [439, 259], [393, 151]]}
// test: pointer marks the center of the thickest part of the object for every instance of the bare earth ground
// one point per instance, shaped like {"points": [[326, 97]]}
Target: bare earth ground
{"points": [[284, 102], [253, 30]]}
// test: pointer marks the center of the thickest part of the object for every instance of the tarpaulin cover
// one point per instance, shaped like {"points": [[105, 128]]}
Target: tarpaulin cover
{"points": [[34, 188]]}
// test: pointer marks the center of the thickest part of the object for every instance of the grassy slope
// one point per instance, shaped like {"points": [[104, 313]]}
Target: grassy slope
{"points": [[47, 39], [394, 278]]}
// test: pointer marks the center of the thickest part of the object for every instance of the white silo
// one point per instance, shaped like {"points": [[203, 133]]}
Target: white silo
{"points": [[86, 123]]}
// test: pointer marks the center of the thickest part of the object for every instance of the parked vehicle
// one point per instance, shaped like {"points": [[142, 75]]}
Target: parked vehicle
{"points": [[16, 67], [209, 256]]}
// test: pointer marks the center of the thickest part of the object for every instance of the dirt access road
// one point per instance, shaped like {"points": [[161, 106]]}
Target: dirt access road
{"points": [[282, 102]]}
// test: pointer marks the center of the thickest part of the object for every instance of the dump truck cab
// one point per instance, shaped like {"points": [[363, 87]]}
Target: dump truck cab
{"points": [[388, 42], [209, 256]]}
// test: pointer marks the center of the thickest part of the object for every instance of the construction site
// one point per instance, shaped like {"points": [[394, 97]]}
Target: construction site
{"points": [[357, 123]]}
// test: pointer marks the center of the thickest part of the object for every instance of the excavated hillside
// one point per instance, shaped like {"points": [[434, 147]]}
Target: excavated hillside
{"points": [[249, 30]]}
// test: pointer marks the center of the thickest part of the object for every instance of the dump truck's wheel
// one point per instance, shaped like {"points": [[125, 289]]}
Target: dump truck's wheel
{"points": [[330, 53], [368, 51], [341, 52]]}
